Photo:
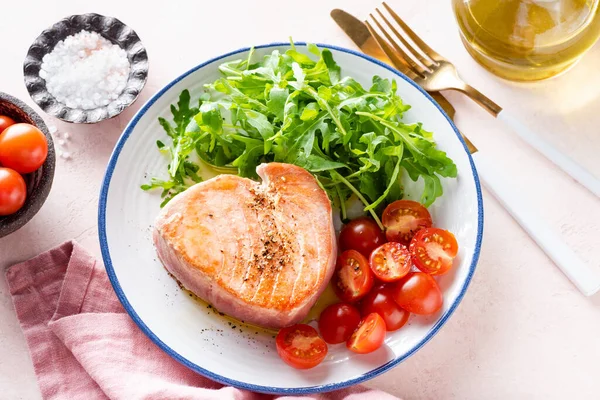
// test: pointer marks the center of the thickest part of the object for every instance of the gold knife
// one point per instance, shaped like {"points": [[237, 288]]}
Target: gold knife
{"points": [[358, 32]]}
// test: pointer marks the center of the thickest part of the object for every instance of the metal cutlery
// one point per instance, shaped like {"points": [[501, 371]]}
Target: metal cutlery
{"points": [[586, 280]]}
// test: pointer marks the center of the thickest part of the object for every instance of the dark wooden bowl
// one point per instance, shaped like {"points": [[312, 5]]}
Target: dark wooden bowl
{"points": [[111, 29], [38, 182]]}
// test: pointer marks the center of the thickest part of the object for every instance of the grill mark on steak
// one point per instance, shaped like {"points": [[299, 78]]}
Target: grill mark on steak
{"points": [[294, 272], [250, 275], [277, 250], [305, 260], [241, 237], [303, 282], [255, 264], [320, 252], [288, 272]]}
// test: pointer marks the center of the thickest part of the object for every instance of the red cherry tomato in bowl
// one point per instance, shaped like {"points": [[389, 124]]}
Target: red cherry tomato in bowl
{"points": [[13, 191], [361, 234], [337, 322], [433, 250], [5, 122], [23, 147], [380, 300], [390, 261], [300, 346], [403, 218], [369, 335], [352, 278], [418, 293]]}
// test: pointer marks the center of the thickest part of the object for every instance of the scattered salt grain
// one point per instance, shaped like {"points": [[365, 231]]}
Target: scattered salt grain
{"points": [[85, 71]]}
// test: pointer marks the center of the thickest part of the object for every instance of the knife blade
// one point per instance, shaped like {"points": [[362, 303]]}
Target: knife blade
{"points": [[357, 31], [359, 34]]}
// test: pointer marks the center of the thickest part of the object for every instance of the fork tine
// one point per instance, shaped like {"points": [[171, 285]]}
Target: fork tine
{"points": [[415, 54], [413, 36], [408, 61], [398, 62]]}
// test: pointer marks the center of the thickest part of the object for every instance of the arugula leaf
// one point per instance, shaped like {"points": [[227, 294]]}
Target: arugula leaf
{"points": [[261, 123], [296, 107], [276, 102], [427, 160], [180, 172], [169, 189], [310, 112], [316, 163]]}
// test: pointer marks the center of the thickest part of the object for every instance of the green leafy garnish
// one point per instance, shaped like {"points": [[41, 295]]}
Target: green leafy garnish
{"points": [[296, 108]]}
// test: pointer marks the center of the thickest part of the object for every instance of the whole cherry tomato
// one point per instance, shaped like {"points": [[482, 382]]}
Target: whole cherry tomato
{"points": [[13, 191], [418, 293], [337, 322], [23, 147], [380, 300], [361, 234]]}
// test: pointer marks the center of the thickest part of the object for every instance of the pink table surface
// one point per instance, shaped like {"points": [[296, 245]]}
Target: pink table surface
{"points": [[521, 332]]}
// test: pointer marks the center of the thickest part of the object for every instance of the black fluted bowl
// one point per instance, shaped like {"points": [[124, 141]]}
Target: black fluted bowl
{"points": [[111, 29], [38, 182]]}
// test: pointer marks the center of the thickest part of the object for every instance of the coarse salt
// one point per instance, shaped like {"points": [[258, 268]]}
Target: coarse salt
{"points": [[85, 71]]}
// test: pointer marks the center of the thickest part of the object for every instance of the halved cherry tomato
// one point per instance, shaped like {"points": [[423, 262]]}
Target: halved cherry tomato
{"points": [[433, 250], [418, 293], [337, 322], [361, 234], [403, 218], [380, 300], [369, 335], [390, 261], [5, 122], [23, 147], [300, 346], [352, 278], [13, 191]]}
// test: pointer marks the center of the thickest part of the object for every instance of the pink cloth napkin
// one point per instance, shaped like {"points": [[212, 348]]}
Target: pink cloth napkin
{"points": [[84, 345]]}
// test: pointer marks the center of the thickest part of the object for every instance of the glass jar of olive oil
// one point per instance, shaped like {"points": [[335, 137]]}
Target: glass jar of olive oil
{"points": [[526, 40]]}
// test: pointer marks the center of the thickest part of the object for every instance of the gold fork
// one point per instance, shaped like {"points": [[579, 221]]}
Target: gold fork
{"points": [[433, 73]]}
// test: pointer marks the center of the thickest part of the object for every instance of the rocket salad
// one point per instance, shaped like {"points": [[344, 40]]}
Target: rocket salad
{"points": [[297, 108]]}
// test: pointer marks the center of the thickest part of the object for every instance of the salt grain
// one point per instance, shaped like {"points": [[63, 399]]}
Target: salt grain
{"points": [[85, 71]]}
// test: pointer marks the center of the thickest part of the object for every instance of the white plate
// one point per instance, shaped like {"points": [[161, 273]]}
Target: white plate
{"points": [[205, 341]]}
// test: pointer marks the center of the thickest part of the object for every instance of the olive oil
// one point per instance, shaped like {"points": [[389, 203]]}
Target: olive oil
{"points": [[527, 40], [233, 324], [327, 298]]}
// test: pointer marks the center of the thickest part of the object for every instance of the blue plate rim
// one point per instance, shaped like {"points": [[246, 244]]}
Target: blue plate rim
{"points": [[222, 379]]}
